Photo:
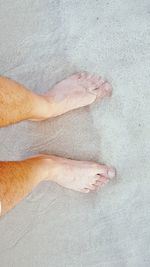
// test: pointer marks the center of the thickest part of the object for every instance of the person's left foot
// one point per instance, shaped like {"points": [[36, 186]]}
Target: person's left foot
{"points": [[78, 90]]}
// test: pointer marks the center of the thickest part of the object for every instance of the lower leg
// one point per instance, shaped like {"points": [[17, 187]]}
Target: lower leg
{"points": [[18, 103], [18, 178]]}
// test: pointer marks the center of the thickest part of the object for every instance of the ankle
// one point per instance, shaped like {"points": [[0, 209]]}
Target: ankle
{"points": [[46, 166], [41, 108]]}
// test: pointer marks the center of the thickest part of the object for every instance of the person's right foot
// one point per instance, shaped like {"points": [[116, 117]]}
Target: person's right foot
{"points": [[82, 176]]}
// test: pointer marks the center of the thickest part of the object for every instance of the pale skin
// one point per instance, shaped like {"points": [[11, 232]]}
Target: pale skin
{"points": [[17, 103]]}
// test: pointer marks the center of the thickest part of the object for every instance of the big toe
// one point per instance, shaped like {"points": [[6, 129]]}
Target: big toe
{"points": [[104, 90], [106, 171]]}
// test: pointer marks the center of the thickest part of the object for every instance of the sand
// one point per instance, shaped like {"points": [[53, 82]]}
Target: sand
{"points": [[42, 42]]}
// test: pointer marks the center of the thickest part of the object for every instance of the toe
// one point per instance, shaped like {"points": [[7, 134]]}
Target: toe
{"points": [[104, 90], [102, 180], [95, 80], [105, 171], [108, 88], [98, 183], [98, 81], [85, 190], [80, 75], [83, 75], [101, 170], [94, 83], [75, 76], [92, 187]]}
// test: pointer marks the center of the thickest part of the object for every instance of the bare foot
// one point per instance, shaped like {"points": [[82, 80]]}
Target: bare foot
{"points": [[82, 176], [76, 91]]}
